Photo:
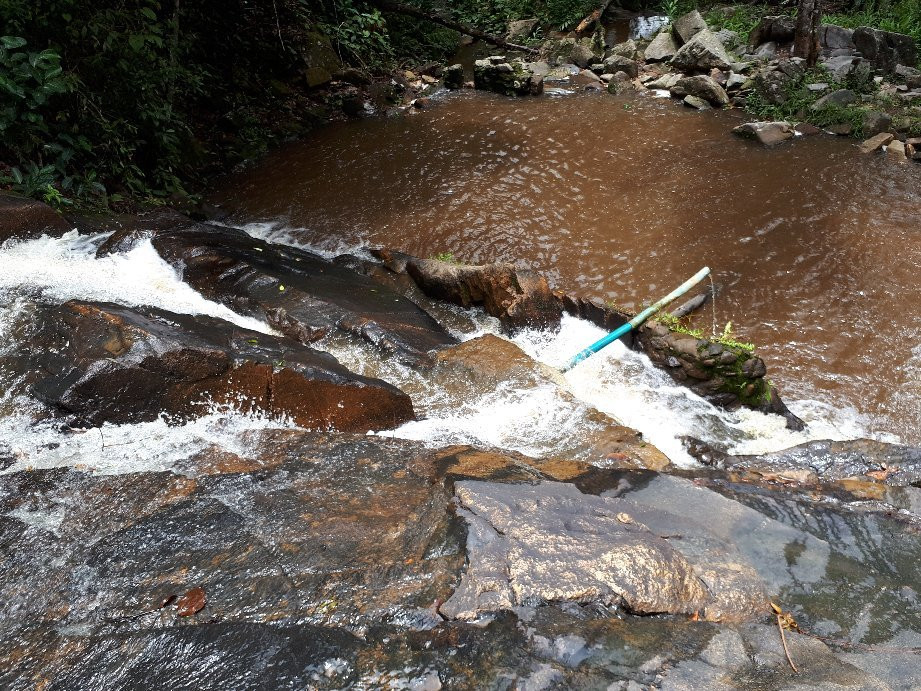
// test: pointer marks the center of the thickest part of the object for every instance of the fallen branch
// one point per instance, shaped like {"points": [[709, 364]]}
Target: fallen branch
{"points": [[694, 303], [594, 17], [783, 639], [399, 8]]}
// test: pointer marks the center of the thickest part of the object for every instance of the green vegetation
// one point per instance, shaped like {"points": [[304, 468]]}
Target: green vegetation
{"points": [[494, 15], [726, 339], [445, 257], [798, 98], [901, 16], [681, 326], [675, 324], [741, 18]]}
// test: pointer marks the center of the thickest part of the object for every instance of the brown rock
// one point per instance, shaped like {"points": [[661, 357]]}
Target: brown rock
{"points": [[876, 143], [22, 218], [519, 299], [106, 363], [896, 151]]}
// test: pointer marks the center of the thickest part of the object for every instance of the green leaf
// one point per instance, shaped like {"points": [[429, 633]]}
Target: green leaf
{"points": [[12, 42], [149, 13], [136, 41]]}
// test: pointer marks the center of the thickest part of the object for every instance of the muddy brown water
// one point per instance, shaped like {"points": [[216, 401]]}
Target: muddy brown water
{"points": [[815, 247]]}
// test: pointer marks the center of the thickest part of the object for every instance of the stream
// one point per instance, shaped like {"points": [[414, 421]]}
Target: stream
{"points": [[492, 541]]}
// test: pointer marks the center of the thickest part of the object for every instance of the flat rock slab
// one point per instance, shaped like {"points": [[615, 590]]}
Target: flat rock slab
{"points": [[768, 133], [299, 293], [99, 362]]}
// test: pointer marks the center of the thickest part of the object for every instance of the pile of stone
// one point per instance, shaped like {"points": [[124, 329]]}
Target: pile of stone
{"points": [[896, 150]]}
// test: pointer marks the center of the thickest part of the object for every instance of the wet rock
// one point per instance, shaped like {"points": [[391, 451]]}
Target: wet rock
{"points": [[872, 461], [807, 130], [773, 85], [537, 544], [834, 37], [22, 218], [511, 78], [876, 142], [913, 148], [519, 299], [701, 54], [299, 293], [662, 47], [488, 363], [768, 133], [885, 49], [696, 103], [453, 76], [320, 60], [688, 26], [104, 363], [727, 376], [521, 29], [836, 99], [895, 151], [735, 81], [701, 86], [779, 29], [875, 122], [619, 63]]}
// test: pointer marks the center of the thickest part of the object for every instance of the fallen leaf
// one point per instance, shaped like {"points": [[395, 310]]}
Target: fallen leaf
{"points": [[777, 610], [192, 602]]}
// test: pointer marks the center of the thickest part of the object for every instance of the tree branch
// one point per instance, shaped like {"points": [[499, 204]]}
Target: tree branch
{"points": [[399, 8]]}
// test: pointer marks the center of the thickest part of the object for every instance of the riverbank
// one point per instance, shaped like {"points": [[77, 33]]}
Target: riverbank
{"points": [[234, 546]]}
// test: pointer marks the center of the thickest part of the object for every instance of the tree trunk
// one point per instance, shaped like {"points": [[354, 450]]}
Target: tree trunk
{"points": [[389, 6], [806, 38]]}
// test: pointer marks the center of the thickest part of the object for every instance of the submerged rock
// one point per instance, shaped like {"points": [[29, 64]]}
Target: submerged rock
{"points": [[102, 363], [299, 293], [768, 133]]}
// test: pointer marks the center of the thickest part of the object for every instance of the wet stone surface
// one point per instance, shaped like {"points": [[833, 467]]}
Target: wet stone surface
{"points": [[332, 561]]}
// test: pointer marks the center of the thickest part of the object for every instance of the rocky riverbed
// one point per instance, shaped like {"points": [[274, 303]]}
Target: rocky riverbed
{"points": [[284, 530]]}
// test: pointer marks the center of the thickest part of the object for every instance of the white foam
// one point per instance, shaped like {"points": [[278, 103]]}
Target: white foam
{"points": [[113, 449], [66, 268]]}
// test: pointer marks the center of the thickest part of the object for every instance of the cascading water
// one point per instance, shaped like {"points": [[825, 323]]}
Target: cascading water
{"points": [[548, 419]]}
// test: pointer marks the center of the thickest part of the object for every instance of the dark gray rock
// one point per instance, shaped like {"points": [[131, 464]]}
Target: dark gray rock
{"points": [[299, 293], [885, 49], [701, 54], [834, 37], [874, 122], [779, 29], [696, 103], [688, 26], [453, 76], [511, 78], [662, 47], [701, 86], [838, 99], [521, 29], [619, 63]]}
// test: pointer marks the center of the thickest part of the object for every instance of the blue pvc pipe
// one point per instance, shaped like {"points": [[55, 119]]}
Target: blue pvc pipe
{"points": [[637, 320]]}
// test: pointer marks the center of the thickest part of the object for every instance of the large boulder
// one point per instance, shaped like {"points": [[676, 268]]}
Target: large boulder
{"points": [[885, 49], [777, 29], [297, 292], [834, 37], [662, 47], [619, 63], [701, 86], [520, 299], [836, 99], [689, 25], [701, 54], [22, 218], [768, 133], [320, 59], [100, 363], [521, 29], [508, 77]]}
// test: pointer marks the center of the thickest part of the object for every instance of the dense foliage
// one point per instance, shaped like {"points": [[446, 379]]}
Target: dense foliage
{"points": [[144, 99]]}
